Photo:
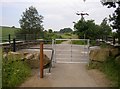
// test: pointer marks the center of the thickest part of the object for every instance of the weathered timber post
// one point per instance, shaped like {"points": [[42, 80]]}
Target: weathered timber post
{"points": [[9, 38], [14, 45], [113, 40], [25, 37], [41, 60]]}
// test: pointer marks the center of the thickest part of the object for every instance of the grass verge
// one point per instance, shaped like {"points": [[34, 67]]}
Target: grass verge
{"points": [[110, 68], [14, 73]]}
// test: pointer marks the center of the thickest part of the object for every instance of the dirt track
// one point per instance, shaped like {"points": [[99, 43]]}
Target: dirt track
{"points": [[68, 74]]}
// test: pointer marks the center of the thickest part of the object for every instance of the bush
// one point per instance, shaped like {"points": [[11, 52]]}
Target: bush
{"points": [[14, 73]]}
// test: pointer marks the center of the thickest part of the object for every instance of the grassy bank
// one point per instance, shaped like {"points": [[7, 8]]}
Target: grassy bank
{"points": [[110, 68], [14, 73]]}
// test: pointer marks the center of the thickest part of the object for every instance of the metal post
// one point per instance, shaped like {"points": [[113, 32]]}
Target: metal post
{"points": [[9, 39], [88, 43], [71, 50], [53, 43], [53, 49], [14, 46], [55, 52], [41, 60]]}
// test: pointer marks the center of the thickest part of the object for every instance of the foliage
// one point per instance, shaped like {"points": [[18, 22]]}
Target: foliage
{"points": [[90, 30], [86, 29], [50, 30], [104, 45], [31, 22], [115, 18], [66, 30], [105, 29], [14, 73]]}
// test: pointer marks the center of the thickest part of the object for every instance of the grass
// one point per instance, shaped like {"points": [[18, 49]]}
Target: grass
{"points": [[14, 73], [59, 41], [110, 68], [68, 36], [6, 31], [79, 42]]}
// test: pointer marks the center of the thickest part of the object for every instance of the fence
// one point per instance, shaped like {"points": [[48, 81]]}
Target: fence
{"points": [[8, 38]]}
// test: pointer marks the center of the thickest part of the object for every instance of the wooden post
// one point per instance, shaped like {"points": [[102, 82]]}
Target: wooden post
{"points": [[14, 45], [25, 37], [9, 38], [41, 60]]}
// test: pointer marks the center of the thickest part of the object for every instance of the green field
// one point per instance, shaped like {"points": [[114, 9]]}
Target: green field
{"points": [[6, 31], [79, 42], [68, 36]]}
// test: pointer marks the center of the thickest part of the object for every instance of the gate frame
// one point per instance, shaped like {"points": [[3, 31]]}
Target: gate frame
{"points": [[54, 47]]}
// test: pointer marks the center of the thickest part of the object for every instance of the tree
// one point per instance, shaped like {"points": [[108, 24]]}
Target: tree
{"points": [[105, 30], [50, 30], [31, 21], [115, 18], [87, 29], [65, 30]]}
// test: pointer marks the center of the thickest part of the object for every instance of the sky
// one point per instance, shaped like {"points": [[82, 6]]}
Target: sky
{"points": [[58, 14]]}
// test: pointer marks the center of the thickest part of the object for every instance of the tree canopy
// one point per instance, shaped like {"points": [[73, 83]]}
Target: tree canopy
{"points": [[86, 28], [66, 30], [115, 18], [31, 21], [50, 30], [105, 29], [91, 30]]}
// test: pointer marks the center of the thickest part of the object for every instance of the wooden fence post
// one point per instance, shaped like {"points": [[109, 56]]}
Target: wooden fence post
{"points": [[14, 45], [41, 60], [25, 37], [9, 38]]}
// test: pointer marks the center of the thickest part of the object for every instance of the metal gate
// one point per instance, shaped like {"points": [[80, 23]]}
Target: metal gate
{"points": [[71, 50]]}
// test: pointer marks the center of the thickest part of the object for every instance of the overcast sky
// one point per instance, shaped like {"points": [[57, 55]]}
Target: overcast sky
{"points": [[57, 14]]}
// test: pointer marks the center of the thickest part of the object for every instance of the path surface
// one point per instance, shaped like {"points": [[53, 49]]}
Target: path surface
{"points": [[67, 74]]}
